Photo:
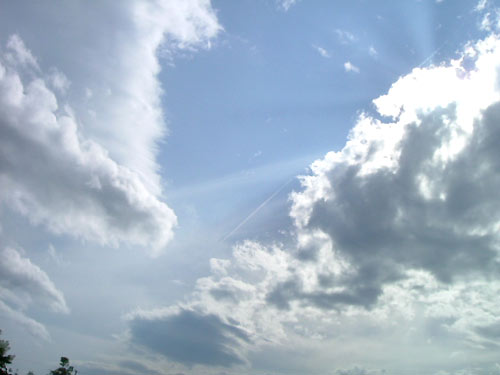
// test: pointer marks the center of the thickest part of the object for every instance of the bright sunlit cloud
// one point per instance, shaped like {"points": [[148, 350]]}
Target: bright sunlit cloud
{"points": [[350, 67]]}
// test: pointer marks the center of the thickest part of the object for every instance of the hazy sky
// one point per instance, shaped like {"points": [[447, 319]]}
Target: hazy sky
{"points": [[251, 186]]}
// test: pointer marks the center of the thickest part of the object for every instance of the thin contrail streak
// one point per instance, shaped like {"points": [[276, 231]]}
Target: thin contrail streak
{"points": [[256, 210], [432, 55]]}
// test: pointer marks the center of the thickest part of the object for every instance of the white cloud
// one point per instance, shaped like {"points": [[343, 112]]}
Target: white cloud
{"points": [[372, 51], [481, 5], [491, 21], [323, 52], [350, 67]]}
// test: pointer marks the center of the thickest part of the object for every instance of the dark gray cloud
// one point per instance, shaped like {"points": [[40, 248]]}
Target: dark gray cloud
{"points": [[191, 338], [490, 331], [283, 293], [383, 224], [363, 290], [224, 294]]}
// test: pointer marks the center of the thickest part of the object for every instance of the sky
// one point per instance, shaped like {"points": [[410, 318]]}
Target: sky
{"points": [[254, 187]]}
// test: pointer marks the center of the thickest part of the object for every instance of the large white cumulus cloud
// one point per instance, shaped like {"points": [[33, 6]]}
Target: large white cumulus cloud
{"points": [[109, 52], [55, 176], [397, 238], [81, 114]]}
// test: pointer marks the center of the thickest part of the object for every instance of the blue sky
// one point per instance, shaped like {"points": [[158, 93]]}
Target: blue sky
{"points": [[250, 187]]}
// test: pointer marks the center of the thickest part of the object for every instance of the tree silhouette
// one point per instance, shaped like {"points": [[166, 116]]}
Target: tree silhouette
{"points": [[5, 359], [64, 368]]}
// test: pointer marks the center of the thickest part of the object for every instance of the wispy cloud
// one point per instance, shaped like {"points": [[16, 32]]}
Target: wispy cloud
{"points": [[481, 5], [189, 337], [323, 52], [345, 37], [23, 284], [286, 4]]}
